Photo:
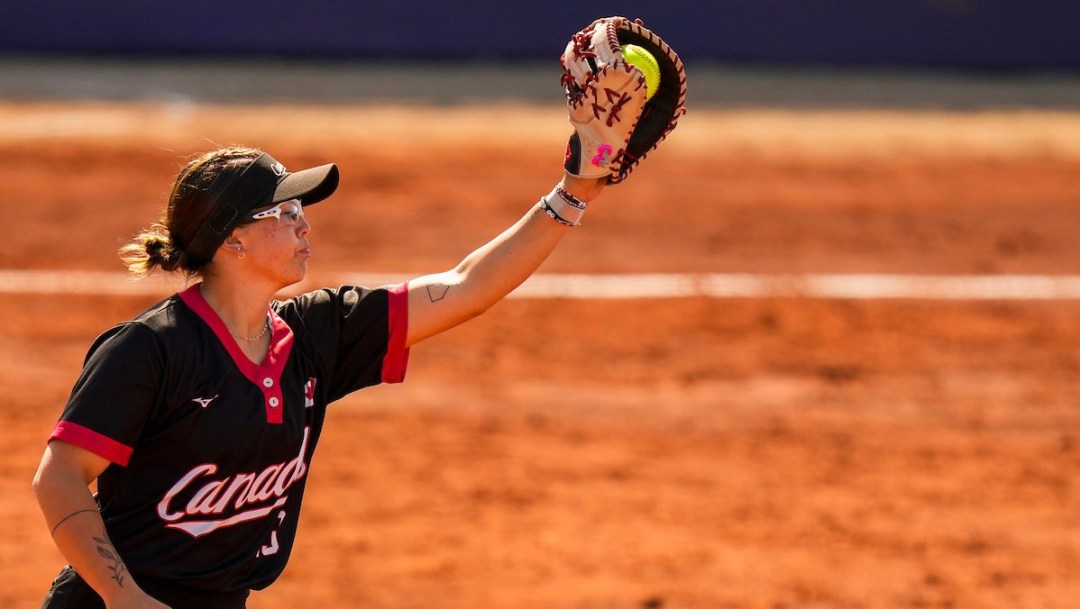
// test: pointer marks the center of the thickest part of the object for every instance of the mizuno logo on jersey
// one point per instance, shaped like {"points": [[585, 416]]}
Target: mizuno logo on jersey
{"points": [[204, 402], [231, 500]]}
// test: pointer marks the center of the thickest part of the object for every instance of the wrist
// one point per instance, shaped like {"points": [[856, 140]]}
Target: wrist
{"points": [[586, 189], [127, 596], [563, 207], [131, 596]]}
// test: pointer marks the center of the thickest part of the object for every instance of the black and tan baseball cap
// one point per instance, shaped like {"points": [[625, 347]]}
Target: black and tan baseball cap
{"points": [[261, 183]]}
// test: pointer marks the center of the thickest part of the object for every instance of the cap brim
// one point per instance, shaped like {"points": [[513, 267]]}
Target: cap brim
{"points": [[308, 185]]}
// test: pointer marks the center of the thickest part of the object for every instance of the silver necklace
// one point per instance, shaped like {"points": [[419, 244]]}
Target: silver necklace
{"points": [[252, 339]]}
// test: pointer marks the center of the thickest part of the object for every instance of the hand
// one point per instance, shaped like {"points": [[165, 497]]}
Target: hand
{"points": [[617, 119], [586, 189]]}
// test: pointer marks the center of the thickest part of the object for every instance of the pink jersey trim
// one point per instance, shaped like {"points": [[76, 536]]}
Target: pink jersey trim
{"points": [[99, 444], [267, 375], [396, 360]]}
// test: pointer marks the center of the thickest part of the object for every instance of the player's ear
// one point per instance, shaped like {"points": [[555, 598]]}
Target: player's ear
{"points": [[233, 244]]}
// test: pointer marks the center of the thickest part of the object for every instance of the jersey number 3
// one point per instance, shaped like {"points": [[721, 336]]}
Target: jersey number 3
{"points": [[273, 547]]}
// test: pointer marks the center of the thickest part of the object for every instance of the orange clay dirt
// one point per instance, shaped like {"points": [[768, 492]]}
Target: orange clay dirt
{"points": [[685, 453]]}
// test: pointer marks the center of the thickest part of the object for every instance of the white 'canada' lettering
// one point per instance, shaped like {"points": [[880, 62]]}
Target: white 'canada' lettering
{"points": [[240, 491]]}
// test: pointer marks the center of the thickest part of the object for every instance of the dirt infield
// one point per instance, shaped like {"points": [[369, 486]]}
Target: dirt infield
{"points": [[682, 453]]}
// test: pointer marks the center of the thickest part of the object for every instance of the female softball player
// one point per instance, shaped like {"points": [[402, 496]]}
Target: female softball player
{"points": [[198, 418]]}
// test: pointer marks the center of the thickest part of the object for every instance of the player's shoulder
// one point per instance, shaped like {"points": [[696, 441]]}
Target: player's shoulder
{"points": [[127, 339], [329, 312], [150, 329], [149, 322], [341, 299], [163, 316]]}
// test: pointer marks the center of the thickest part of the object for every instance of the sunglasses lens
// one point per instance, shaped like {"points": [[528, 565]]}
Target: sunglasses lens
{"points": [[291, 212], [287, 213]]}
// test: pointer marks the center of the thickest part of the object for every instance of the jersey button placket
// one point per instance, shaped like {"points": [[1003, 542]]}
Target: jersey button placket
{"points": [[273, 396], [273, 402]]}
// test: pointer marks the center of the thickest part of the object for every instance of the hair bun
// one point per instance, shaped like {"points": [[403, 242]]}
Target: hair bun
{"points": [[157, 248]]}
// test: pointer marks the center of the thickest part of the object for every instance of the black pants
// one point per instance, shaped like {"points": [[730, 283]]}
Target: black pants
{"points": [[69, 591]]}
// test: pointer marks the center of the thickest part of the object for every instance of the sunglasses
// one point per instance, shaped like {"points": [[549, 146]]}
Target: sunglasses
{"points": [[288, 213]]}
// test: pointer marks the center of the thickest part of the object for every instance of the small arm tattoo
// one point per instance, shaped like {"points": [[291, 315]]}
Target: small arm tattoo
{"points": [[107, 551], [437, 292], [69, 516]]}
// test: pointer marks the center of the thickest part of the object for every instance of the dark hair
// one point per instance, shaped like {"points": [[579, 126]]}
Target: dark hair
{"points": [[163, 245]]}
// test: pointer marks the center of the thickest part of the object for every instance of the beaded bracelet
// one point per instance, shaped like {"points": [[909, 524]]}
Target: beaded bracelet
{"points": [[563, 207]]}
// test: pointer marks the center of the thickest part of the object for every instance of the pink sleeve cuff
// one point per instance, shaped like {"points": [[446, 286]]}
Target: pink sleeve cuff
{"points": [[397, 354], [87, 438]]}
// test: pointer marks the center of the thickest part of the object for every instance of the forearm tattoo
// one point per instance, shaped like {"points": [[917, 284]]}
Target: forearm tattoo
{"points": [[116, 566], [437, 291]]}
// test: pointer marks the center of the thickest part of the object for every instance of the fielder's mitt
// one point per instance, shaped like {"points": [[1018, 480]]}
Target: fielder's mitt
{"points": [[614, 126]]}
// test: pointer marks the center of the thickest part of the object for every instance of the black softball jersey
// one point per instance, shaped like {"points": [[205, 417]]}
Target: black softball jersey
{"points": [[209, 451]]}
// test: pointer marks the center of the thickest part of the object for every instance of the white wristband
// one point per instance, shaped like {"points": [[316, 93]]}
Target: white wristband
{"points": [[563, 207]]}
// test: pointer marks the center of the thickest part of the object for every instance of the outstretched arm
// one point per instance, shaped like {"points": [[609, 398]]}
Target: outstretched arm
{"points": [[441, 301]]}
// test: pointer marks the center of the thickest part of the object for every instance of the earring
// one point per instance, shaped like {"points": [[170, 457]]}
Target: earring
{"points": [[240, 253]]}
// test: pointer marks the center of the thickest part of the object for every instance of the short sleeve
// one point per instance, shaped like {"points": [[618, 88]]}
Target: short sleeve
{"points": [[116, 393], [357, 334]]}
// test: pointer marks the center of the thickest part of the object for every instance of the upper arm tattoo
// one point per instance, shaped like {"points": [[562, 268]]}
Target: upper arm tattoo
{"points": [[437, 291]]}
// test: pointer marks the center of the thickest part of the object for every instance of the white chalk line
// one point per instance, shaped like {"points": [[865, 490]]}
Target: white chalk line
{"points": [[626, 286]]}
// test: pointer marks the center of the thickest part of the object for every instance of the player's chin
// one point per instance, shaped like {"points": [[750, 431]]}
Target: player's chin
{"points": [[297, 271]]}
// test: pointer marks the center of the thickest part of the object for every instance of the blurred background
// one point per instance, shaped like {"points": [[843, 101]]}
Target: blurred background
{"points": [[921, 53], [827, 357]]}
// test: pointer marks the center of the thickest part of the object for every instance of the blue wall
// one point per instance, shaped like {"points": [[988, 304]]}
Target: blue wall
{"points": [[955, 33]]}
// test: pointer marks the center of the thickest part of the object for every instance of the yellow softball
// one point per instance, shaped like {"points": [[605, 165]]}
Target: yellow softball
{"points": [[644, 61]]}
